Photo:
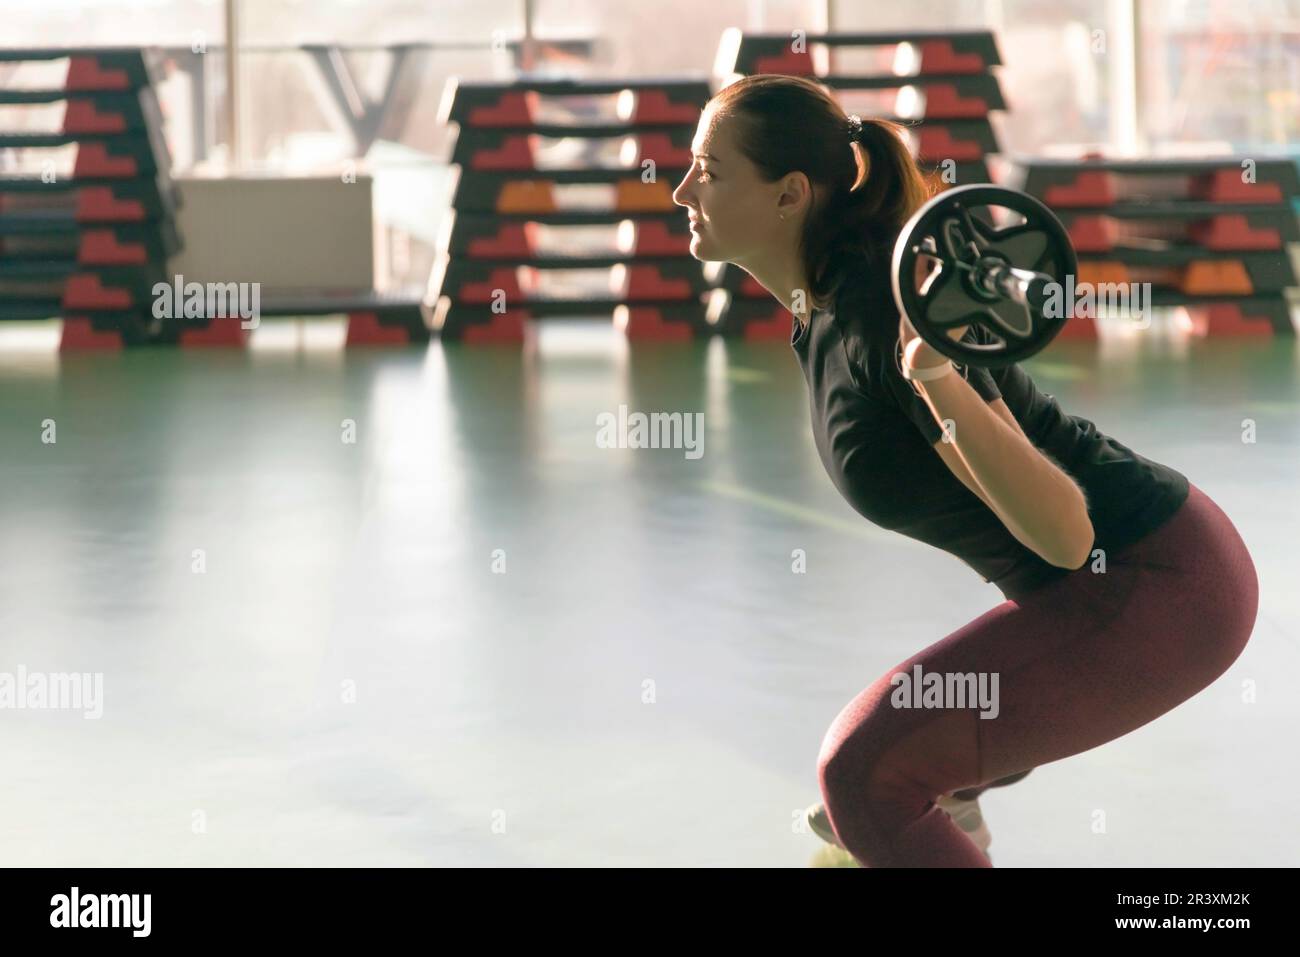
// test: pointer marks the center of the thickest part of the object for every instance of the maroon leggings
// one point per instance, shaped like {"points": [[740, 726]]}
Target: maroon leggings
{"points": [[1079, 662]]}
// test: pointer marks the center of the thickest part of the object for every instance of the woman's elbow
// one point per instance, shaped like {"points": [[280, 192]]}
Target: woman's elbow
{"points": [[1078, 541]]}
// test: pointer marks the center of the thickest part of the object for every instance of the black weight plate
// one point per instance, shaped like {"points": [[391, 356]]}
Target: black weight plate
{"points": [[955, 229]]}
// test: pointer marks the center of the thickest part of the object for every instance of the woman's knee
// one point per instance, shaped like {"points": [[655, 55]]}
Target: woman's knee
{"points": [[864, 769], [836, 764], [844, 762], [870, 797]]}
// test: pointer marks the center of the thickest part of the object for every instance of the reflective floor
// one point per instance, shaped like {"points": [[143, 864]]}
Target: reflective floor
{"points": [[397, 607]]}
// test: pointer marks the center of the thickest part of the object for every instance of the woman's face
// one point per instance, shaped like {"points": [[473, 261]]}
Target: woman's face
{"points": [[734, 214]]}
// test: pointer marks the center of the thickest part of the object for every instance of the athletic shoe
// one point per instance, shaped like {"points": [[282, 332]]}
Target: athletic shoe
{"points": [[965, 814], [970, 794], [820, 823]]}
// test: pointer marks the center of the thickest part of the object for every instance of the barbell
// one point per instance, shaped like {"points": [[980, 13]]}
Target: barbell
{"points": [[1002, 257]]}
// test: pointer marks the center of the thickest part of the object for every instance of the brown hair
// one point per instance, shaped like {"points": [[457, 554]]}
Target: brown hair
{"points": [[789, 123]]}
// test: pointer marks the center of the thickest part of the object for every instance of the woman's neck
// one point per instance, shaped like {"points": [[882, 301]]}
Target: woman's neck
{"points": [[784, 278]]}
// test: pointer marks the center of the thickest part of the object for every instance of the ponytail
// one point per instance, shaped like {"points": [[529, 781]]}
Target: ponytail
{"points": [[898, 188], [864, 221]]}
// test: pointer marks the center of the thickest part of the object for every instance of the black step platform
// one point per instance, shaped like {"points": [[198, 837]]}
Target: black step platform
{"points": [[937, 51], [482, 103], [92, 68]]}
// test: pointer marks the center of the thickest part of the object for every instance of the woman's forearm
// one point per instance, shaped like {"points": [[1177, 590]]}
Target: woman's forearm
{"points": [[1038, 502]]}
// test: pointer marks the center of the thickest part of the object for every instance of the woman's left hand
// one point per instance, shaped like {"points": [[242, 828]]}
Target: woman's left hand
{"points": [[907, 332]]}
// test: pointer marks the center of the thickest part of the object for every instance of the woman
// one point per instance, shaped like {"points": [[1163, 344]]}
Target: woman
{"points": [[1127, 589]]}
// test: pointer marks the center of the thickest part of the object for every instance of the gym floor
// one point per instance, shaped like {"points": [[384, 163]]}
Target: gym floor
{"points": [[472, 637]]}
